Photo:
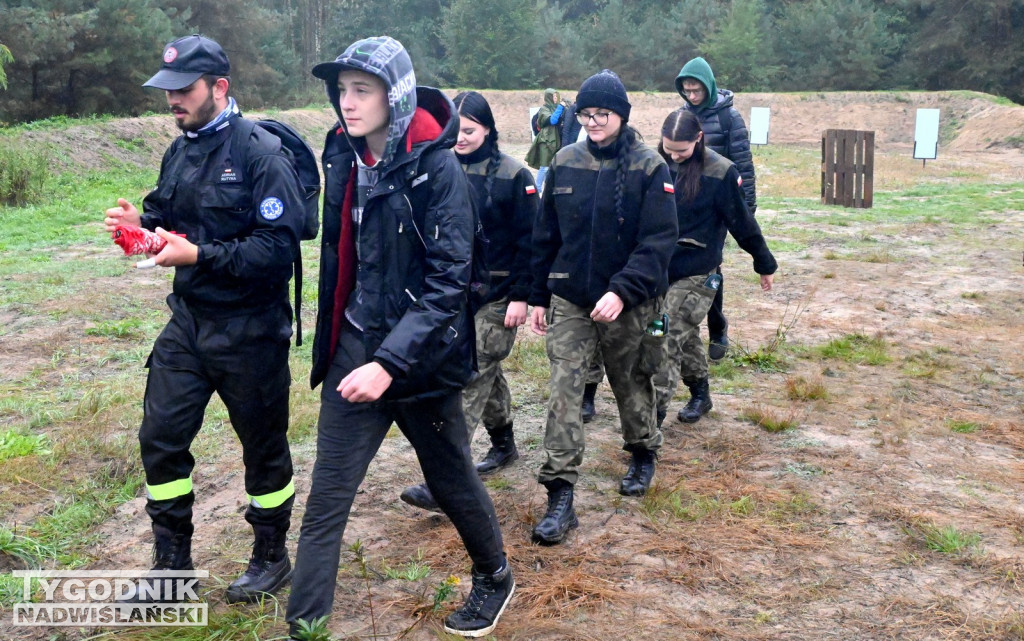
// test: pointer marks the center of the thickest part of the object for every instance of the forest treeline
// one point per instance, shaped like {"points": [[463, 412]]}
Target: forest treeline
{"points": [[59, 57]]}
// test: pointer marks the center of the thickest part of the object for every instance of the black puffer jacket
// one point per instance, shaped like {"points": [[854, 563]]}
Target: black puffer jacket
{"points": [[414, 245], [724, 129], [583, 248], [718, 206]]}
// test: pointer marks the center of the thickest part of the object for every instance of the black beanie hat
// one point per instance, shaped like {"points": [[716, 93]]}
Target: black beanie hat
{"points": [[605, 91]]}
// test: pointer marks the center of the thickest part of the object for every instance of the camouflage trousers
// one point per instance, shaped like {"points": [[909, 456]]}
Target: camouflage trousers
{"points": [[687, 304], [595, 373], [487, 397], [571, 341]]}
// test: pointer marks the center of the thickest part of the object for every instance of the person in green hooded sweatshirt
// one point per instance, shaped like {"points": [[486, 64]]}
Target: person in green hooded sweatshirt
{"points": [[726, 134], [548, 140]]}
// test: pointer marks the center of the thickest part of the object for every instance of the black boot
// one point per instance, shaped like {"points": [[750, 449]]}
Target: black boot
{"points": [[641, 473], [420, 496], [560, 517], [503, 450], [587, 408], [268, 569], [700, 400], [171, 551], [718, 347], [484, 605]]}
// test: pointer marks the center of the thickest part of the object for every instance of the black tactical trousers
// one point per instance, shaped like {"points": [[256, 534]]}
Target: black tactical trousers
{"points": [[244, 359]]}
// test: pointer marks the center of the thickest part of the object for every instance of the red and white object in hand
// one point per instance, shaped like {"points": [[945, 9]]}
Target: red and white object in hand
{"points": [[137, 240]]}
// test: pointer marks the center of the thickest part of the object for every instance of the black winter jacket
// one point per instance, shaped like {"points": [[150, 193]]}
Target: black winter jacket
{"points": [[718, 119], [414, 246], [247, 232], [582, 248], [507, 218], [719, 205]]}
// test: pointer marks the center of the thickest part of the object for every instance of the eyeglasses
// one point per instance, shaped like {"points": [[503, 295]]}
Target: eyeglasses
{"points": [[693, 92], [600, 118]]}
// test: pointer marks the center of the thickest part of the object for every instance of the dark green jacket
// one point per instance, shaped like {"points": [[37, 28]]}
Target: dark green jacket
{"points": [[548, 140]]}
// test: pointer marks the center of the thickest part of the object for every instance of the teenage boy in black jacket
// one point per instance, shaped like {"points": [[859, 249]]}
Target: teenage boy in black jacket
{"points": [[394, 337]]}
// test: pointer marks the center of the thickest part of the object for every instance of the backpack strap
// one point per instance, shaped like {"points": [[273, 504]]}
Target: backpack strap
{"points": [[725, 122], [241, 131]]}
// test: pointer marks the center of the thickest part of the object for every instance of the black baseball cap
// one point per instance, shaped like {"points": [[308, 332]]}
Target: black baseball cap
{"points": [[187, 60]]}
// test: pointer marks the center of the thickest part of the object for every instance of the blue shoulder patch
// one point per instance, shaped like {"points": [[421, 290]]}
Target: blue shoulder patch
{"points": [[271, 208]]}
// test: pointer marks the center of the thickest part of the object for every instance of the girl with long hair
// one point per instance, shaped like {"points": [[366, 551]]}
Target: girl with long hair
{"points": [[507, 202], [709, 200]]}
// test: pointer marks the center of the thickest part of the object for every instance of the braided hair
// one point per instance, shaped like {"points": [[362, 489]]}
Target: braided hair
{"points": [[475, 107], [683, 126], [627, 138]]}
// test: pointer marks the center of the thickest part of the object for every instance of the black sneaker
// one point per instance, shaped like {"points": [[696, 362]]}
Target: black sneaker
{"points": [[484, 605], [420, 496], [718, 347]]}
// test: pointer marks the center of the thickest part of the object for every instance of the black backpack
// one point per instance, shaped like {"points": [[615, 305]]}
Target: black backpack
{"points": [[308, 170]]}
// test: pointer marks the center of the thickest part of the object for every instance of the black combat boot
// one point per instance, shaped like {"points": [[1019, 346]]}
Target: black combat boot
{"points": [[268, 569], [700, 400], [171, 551], [484, 605], [420, 496], [560, 517], [641, 473], [587, 409], [503, 450]]}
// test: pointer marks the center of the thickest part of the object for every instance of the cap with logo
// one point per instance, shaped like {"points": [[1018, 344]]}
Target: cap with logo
{"points": [[187, 60]]}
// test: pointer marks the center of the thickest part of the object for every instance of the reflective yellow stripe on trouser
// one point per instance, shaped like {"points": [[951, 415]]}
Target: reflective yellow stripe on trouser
{"points": [[168, 491], [274, 499]]}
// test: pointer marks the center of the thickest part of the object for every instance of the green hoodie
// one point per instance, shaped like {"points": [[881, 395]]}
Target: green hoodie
{"points": [[699, 70]]}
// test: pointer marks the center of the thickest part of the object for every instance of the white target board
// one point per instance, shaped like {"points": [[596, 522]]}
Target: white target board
{"points": [[760, 118], [926, 134]]}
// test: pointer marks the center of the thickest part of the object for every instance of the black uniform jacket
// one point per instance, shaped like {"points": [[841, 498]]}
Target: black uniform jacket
{"points": [[248, 236], [507, 217], [583, 248], [719, 205], [414, 247]]}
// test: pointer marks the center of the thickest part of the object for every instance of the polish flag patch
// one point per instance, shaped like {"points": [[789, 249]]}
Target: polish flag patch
{"points": [[739, 180], [669, 188], [530, 189]]}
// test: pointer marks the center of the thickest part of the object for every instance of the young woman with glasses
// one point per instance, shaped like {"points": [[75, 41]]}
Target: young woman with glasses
{"points": [[601, 248]]}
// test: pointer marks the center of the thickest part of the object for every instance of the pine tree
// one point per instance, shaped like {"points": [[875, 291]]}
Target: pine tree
{"points": [[489, 43]]}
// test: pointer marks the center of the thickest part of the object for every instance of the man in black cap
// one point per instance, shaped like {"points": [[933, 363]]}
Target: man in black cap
{"points": [[231, 320]]}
